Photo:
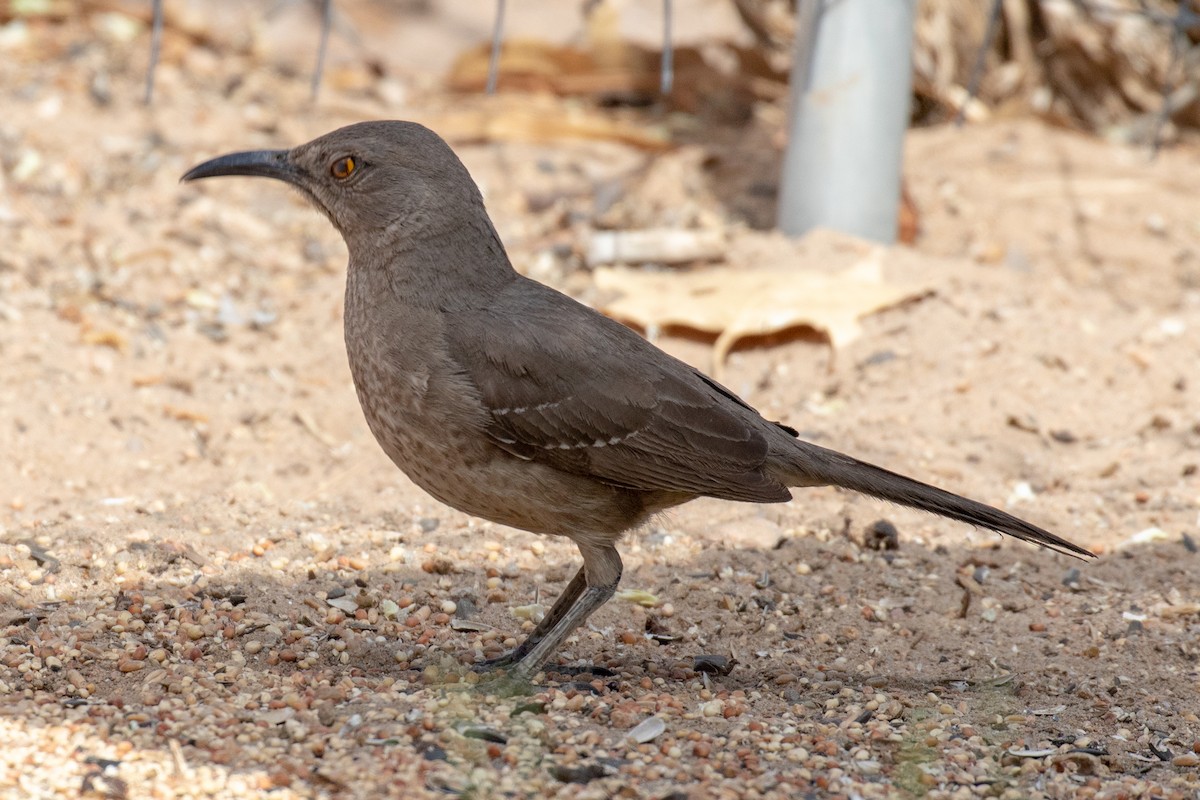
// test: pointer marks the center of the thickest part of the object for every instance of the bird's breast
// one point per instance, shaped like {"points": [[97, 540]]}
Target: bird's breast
{"points": [[424, 413]]}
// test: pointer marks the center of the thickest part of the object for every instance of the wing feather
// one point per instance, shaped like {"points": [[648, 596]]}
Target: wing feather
{"points": [[567, 386]]}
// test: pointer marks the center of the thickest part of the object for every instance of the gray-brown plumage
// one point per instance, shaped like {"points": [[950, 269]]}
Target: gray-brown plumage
{"points": [[505, 399]]}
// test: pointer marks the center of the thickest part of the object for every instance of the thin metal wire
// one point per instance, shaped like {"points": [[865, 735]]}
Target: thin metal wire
{"points": [[666, 78], [1183, 20], [155, 49], [497, 39], [1179, 43], [326, 25], [989, 36]]}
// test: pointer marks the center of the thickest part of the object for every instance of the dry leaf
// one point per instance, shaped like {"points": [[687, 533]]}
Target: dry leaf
{"points": [[506, 122], [734, 302], [530, 65]]}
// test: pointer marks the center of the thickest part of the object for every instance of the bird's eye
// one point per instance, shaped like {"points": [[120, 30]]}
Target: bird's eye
{"points": [[343, 168]]}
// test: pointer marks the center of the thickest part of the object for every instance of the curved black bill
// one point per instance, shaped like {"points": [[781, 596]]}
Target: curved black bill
{"points": [[255, 163]]}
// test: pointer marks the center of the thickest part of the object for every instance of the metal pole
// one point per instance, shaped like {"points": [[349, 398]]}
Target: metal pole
{"points": [[851, 87]]}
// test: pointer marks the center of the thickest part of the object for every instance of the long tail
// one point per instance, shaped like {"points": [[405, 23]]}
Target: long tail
{"points": [[818, 466]]}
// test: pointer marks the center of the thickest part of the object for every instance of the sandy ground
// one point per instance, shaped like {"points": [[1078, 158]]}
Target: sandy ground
{"points": [[213, 583]]}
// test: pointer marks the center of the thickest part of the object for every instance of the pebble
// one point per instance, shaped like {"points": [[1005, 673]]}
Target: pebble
{"points": [[647, 730]]}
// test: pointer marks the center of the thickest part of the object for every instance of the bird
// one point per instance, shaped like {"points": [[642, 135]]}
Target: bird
{"points": [[508, 400]]}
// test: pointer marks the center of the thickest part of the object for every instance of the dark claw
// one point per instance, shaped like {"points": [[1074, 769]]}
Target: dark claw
{"points": [[509, 659]]}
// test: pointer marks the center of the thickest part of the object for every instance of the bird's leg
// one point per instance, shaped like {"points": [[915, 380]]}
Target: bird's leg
{"points": [[601, 572], [565, 600]]}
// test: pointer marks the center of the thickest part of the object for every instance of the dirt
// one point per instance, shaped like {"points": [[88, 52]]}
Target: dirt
{"points": [[182, 437]]}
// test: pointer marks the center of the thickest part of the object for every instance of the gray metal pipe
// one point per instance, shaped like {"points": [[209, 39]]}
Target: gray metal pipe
{"points": [[851, 86]]}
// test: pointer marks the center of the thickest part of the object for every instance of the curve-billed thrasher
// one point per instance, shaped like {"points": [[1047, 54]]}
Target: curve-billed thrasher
{"points": [[505, 399]]}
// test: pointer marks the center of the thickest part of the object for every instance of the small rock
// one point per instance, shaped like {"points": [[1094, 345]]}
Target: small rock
{"points": [[1022, 493], [429, 751], [639, 596], [713, 664], [459, 624], [625, 715], [278, 716], [102, 784], [648, 729], [535, 707], [583, 773], [533, 612], [882, 535], [1146, 536], [346, 604], [482, 732], [1028, 753]]}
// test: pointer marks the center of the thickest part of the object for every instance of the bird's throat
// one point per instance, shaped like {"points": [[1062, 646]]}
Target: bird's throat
{"points": [[446, 271]]}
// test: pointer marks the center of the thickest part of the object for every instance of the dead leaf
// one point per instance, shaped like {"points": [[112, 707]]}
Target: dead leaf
{"points": [[505, 121], [735, 302], [531, 65]]}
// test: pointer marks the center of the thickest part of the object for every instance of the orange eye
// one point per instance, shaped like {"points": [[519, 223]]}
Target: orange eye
{"points": [[343, 167]]}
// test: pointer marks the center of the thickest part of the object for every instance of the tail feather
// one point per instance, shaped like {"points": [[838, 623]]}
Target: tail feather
{"points": [[817, 466]]}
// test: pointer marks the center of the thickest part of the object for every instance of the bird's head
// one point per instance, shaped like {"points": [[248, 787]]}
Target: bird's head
{"points": [[381, 182]]}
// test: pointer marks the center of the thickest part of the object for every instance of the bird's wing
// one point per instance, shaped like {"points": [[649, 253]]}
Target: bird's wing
{"points": [[565, 385]]}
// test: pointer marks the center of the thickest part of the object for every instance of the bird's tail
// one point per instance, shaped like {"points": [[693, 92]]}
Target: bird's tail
{"points": [[817, 466]]}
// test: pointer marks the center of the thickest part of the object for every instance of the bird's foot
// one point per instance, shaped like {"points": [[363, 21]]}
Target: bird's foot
{"points": [[512, 661]]}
